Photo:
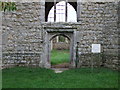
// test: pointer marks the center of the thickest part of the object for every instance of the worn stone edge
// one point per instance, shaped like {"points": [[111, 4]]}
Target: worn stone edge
{"points": [[0, 50]]}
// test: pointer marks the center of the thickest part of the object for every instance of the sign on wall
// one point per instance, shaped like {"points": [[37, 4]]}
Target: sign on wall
{"points": [[96, 48]]}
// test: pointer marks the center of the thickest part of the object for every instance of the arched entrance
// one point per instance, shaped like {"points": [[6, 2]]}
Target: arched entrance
{"points": [[62, 12], [50, 33], [60, 51], [49, 5]]}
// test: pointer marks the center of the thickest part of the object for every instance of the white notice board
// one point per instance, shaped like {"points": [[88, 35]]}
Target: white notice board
{"points": [[96, 48]]}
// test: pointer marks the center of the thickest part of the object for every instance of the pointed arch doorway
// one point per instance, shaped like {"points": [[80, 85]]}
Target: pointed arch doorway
{"points": [[50, 33], [60, 51]]}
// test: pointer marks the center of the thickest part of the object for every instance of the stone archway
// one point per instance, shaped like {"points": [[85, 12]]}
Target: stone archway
{"points": [[49, 5], [51, 33], [66, 35]]}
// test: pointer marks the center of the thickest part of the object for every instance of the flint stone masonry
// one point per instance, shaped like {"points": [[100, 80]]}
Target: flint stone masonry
{"points": [[24, 32]]}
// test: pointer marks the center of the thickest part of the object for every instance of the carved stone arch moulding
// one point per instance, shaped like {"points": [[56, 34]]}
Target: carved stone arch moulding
{"points": [[70, 33]]}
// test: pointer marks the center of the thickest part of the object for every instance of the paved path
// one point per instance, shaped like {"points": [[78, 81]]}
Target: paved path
{"points": [[59, 70]]}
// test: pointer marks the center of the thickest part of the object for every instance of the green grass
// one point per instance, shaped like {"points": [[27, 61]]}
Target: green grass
{"points": [[59, 56], [23, 77]]}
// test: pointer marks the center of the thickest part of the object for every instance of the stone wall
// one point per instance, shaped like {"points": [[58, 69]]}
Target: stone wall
{"points": [[99, 26], [23, 34], [110, 36]]}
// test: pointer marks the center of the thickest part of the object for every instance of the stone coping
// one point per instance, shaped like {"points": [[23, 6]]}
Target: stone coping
{"points": [[25, 1], [60, 23]]}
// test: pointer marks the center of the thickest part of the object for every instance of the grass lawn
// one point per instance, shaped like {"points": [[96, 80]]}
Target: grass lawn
{"points": [[24, 77], [59, 56]]}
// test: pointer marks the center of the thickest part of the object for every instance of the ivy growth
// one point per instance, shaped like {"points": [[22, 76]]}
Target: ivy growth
{"points": [[7, 6]]}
